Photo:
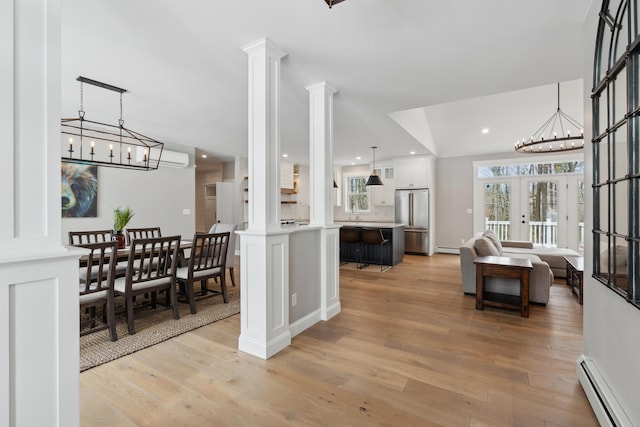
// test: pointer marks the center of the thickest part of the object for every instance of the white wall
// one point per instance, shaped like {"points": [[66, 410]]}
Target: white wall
{"points": [[611, 325], [454, 182], [157, 197]]}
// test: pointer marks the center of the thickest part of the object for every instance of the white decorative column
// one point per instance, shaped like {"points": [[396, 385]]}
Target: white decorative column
{"points": [[39, 330], [321, 190], [264, 246]]}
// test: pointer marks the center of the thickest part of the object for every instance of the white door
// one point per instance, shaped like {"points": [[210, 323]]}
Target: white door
{"points": [[543, 211], [224, 202]]}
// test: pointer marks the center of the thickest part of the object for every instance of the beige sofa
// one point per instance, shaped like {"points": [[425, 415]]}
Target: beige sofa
{"points": [[540, 278]]}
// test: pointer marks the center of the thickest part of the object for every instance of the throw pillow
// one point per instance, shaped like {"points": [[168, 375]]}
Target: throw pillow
{"points": [[484, 247], [494, 239]]}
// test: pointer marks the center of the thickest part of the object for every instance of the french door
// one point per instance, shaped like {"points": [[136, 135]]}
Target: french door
{"points": [[546, 210]]}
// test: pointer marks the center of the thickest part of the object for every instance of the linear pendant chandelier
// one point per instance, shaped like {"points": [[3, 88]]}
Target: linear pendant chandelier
{"points": [[101, 144], [560, 132]]}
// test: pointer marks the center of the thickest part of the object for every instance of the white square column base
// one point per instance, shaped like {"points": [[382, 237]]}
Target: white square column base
{"points": [[264, 293], [330, 271]]}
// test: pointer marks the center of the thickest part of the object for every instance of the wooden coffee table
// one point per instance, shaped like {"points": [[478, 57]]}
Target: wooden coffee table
{"points": [[506, 268], [575, 270]]}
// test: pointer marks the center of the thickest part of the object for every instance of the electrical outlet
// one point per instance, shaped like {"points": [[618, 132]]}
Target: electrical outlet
{"points": [[294, 300], [462, 241]]}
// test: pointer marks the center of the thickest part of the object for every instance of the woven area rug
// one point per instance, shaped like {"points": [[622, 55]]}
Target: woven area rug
{"points": [[153, 327]]}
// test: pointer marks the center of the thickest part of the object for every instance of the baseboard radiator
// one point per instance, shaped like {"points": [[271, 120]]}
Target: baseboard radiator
{"points": [[602, 400], [445, 250]]}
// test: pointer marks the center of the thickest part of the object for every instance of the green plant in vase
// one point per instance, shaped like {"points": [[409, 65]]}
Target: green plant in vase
{"points": [[121, 218]]}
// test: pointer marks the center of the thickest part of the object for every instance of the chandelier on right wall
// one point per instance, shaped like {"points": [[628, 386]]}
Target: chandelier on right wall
{"points": [[560, 132]]}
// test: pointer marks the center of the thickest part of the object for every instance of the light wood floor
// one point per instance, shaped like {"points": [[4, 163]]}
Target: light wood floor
{"points": [[408, 349]]}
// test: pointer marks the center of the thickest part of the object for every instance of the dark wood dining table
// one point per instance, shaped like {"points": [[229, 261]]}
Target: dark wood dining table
{"points": [[123, 253]]}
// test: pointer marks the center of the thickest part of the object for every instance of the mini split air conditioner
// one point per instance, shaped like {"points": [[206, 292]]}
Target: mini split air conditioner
{"points": [[168, 158]]}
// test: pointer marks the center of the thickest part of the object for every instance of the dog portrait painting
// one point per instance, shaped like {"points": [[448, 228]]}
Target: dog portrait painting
{"points": [[79, 190]]}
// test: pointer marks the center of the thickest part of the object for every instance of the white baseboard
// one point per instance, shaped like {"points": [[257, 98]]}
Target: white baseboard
{"points": [[443, 250], [305, 323], [601, 397], [261, 349]]}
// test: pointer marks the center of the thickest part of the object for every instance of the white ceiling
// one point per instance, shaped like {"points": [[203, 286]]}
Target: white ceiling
{"points": [[442, 60]]}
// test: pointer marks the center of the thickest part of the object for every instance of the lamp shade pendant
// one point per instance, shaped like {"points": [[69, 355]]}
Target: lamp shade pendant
{"points": [[374, 179], [332, 2]]}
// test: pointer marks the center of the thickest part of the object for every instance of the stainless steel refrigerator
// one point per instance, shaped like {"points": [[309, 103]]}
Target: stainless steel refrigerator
{"points": [[412, 210]]}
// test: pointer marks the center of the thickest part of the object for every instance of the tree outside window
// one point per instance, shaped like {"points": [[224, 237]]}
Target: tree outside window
{"points": [[357, 196]]}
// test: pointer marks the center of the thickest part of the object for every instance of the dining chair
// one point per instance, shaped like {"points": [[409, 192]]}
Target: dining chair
{"points": [[230, 262], [142, 233], [91, 236], [80, 238], [207, 260], [97, 274], [151, 267]]}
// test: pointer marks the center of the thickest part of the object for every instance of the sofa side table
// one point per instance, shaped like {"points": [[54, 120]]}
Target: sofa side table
{"points": [[506, 268], [575, 270]]}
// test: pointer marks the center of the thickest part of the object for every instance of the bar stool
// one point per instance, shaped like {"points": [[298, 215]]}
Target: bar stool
{"points": [[351, 235], [373, 236]]}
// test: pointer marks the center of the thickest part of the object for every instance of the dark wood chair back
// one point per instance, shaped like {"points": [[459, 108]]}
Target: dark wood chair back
{"points": [[207, 260], [77, 238], [208, 251], [152, 259], [231, 247], [142, 233], [151, 267], [97, 276]]}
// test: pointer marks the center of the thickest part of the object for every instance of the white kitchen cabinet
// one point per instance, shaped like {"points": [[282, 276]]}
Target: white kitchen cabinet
{"points": [[384, 195], [414, 171], [286, 175]]}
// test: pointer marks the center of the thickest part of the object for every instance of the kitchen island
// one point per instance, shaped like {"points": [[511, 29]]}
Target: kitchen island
{"points": [[392, 252]]}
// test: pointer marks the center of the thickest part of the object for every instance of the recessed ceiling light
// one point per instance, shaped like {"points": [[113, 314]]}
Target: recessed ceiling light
{"points": [[204, 156], [353, 164], [358, 158], [285, 155], [485, 131], [412, 152]]}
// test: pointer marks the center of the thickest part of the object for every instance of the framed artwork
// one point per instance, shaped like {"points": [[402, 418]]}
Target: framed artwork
{"points": [[79, 191]]}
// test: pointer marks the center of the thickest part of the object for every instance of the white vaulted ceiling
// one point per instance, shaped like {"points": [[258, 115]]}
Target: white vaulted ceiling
{"points": [[412, 75]]}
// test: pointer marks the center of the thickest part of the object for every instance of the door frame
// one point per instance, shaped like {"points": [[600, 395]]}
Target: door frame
{"points": [[570, 202]]}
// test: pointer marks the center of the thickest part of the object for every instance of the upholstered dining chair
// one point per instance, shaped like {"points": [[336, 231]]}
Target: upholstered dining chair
{"points": [[97, 274], [230, 262], [207, 260], [142, 233], [151, 267]]}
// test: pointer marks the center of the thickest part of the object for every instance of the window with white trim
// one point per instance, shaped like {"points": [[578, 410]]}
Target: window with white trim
{"points": [[357, 196]]}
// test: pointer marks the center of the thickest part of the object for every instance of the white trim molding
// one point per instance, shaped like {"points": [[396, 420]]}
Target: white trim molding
{"points": [[602, 399]]}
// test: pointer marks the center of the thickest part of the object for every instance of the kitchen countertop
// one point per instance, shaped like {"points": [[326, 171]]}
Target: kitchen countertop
{"points": [[370, 224]]}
